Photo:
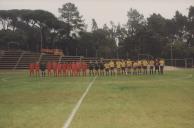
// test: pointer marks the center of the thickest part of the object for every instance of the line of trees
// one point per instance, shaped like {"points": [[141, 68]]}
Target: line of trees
{"points": [[156, 35]]}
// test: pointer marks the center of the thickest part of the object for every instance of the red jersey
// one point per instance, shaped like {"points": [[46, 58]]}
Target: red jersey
{"points": [[73, 66], [84, 66], [64, 67], [31, 67], [69, 66], [49, 66], [54, 66], [59, 67], [78, 66], [37, 67]]}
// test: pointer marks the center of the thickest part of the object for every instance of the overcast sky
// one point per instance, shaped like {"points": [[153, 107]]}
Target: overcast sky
{"points": [[105, 10]]}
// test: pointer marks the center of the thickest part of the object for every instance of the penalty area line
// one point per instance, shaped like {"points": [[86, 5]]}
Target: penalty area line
{"points": [[77, 106]]}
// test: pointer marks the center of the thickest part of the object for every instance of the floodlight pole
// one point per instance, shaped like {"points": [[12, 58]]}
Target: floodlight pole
{"points": [[41, 36], [171, 54], [96, 53], [76, 51], [41, 40], [117, 52], [86, 52]]}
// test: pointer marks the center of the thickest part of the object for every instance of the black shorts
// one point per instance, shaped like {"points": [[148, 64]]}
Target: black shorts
{"points": [[106, 69], [112, 68], [101, 68], [43, 69], [96, 68], [90, 68], [139, 67], [123, 68], [157, 67], [144, 67]]}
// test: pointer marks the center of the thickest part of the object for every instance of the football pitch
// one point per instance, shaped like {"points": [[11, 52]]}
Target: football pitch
{"points": [[157, 101]]}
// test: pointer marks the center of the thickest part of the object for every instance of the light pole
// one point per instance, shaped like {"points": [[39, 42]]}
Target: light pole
{"points": [[171, 56], [76, 51], [117, 53], [117, 47], [171, 52], [41, 40], [96, 53], [86, 52], [127, 55]]}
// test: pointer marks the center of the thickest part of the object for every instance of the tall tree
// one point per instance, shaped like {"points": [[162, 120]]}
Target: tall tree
{"points": [[190, 26], [135, 21], [70, 15]]}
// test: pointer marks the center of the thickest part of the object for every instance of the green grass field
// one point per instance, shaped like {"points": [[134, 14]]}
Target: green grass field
{"points": [[160, 101]]}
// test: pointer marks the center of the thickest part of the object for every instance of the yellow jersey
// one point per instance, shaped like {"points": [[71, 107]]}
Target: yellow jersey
{"points": [[162, 62], [106, 65], [135, 64], [123, 64], [118, 63], [151, 63], [145, 63], [129, 63], [111, 63], [139, 63]]}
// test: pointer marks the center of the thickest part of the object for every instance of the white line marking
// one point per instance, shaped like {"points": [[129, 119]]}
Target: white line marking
{"points": [[72, 114]]}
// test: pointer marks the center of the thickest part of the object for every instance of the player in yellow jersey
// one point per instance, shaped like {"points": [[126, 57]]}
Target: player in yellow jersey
{"points": [[162, 63], [151, 65], [112, 66], [129, 66], [139, 63], [135, 66], [106, 66], [118, 65], [123, 64], [145, 66]]}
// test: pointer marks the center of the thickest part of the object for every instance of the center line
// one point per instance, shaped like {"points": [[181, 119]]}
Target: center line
{"points": [[71, 116]]}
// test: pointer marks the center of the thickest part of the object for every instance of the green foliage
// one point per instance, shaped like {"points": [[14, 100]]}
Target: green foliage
{"points": [[71, 16], [34, 29]]}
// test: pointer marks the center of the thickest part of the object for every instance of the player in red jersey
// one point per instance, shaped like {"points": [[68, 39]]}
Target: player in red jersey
{"points": [[31, 69], [74, 66], [69, 69], [81, 67], [84, 67], [54, 66], [64, 67], [78, 68], [49, 68], [59, 69], [37, 68]]}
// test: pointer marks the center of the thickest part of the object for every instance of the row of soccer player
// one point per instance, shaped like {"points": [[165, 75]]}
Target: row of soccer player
{"points": [[127, 67], [99, 68], [58, 69]]}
